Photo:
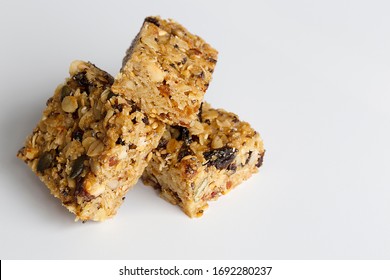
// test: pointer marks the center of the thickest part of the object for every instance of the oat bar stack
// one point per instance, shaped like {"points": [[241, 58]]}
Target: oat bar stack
{"points": [[98, 134]]}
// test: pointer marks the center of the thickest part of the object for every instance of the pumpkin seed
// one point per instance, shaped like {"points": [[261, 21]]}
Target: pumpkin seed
{"points": [[44, 162], [65, 91], [77, 167]]}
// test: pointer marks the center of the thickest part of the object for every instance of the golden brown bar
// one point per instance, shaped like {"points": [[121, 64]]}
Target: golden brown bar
{"points": [[91, 145], [192, 166], [167, 71]]}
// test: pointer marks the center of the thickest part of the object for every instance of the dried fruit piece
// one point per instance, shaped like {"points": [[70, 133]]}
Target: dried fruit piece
{"points": [[249, 157], [183, 152], [120, 142], [220, 158], [200, 112], [145, 120], [260, 160], [184, 134], [81, 79], [77, 135], [152, 20]]}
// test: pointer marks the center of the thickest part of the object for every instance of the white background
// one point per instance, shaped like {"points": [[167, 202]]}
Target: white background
{"points": [[311, 76]]}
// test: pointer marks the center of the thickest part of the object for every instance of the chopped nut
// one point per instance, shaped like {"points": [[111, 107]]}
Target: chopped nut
{"points": [[95, 167], [155, 73], [31, 153], [173, 145], [217, 143], [93, 188], [113, 184], [154, 125]]}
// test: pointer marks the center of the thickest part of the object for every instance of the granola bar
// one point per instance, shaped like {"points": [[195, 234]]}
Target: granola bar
{"points": [[166, 71], [91, 145], [192, 166]]}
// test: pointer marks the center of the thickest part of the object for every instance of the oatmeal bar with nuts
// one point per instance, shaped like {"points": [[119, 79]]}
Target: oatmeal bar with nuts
{"points": [[167, 71], [91, 145], [192, 166]]}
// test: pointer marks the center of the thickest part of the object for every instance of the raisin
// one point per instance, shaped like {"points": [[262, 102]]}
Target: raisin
{"points": [[134, 107], [200, 112], [212, 60], [119, 107], [120, 142], [77, 135], [145, 120], [183, 152], [232, 167], [162, 144], [195, 138], [132, 146], [77, 167], [184, 134], [45, 161], [260, 161], [83, 82], [220, 158], [249, 157], [194, 52], [65, 192], [152, 20], [79, 185], [81, 79]]}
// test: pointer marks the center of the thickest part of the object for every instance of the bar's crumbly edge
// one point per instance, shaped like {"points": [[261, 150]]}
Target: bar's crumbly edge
{"points": [[91, 145], [193, 166], [167, 71]]}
